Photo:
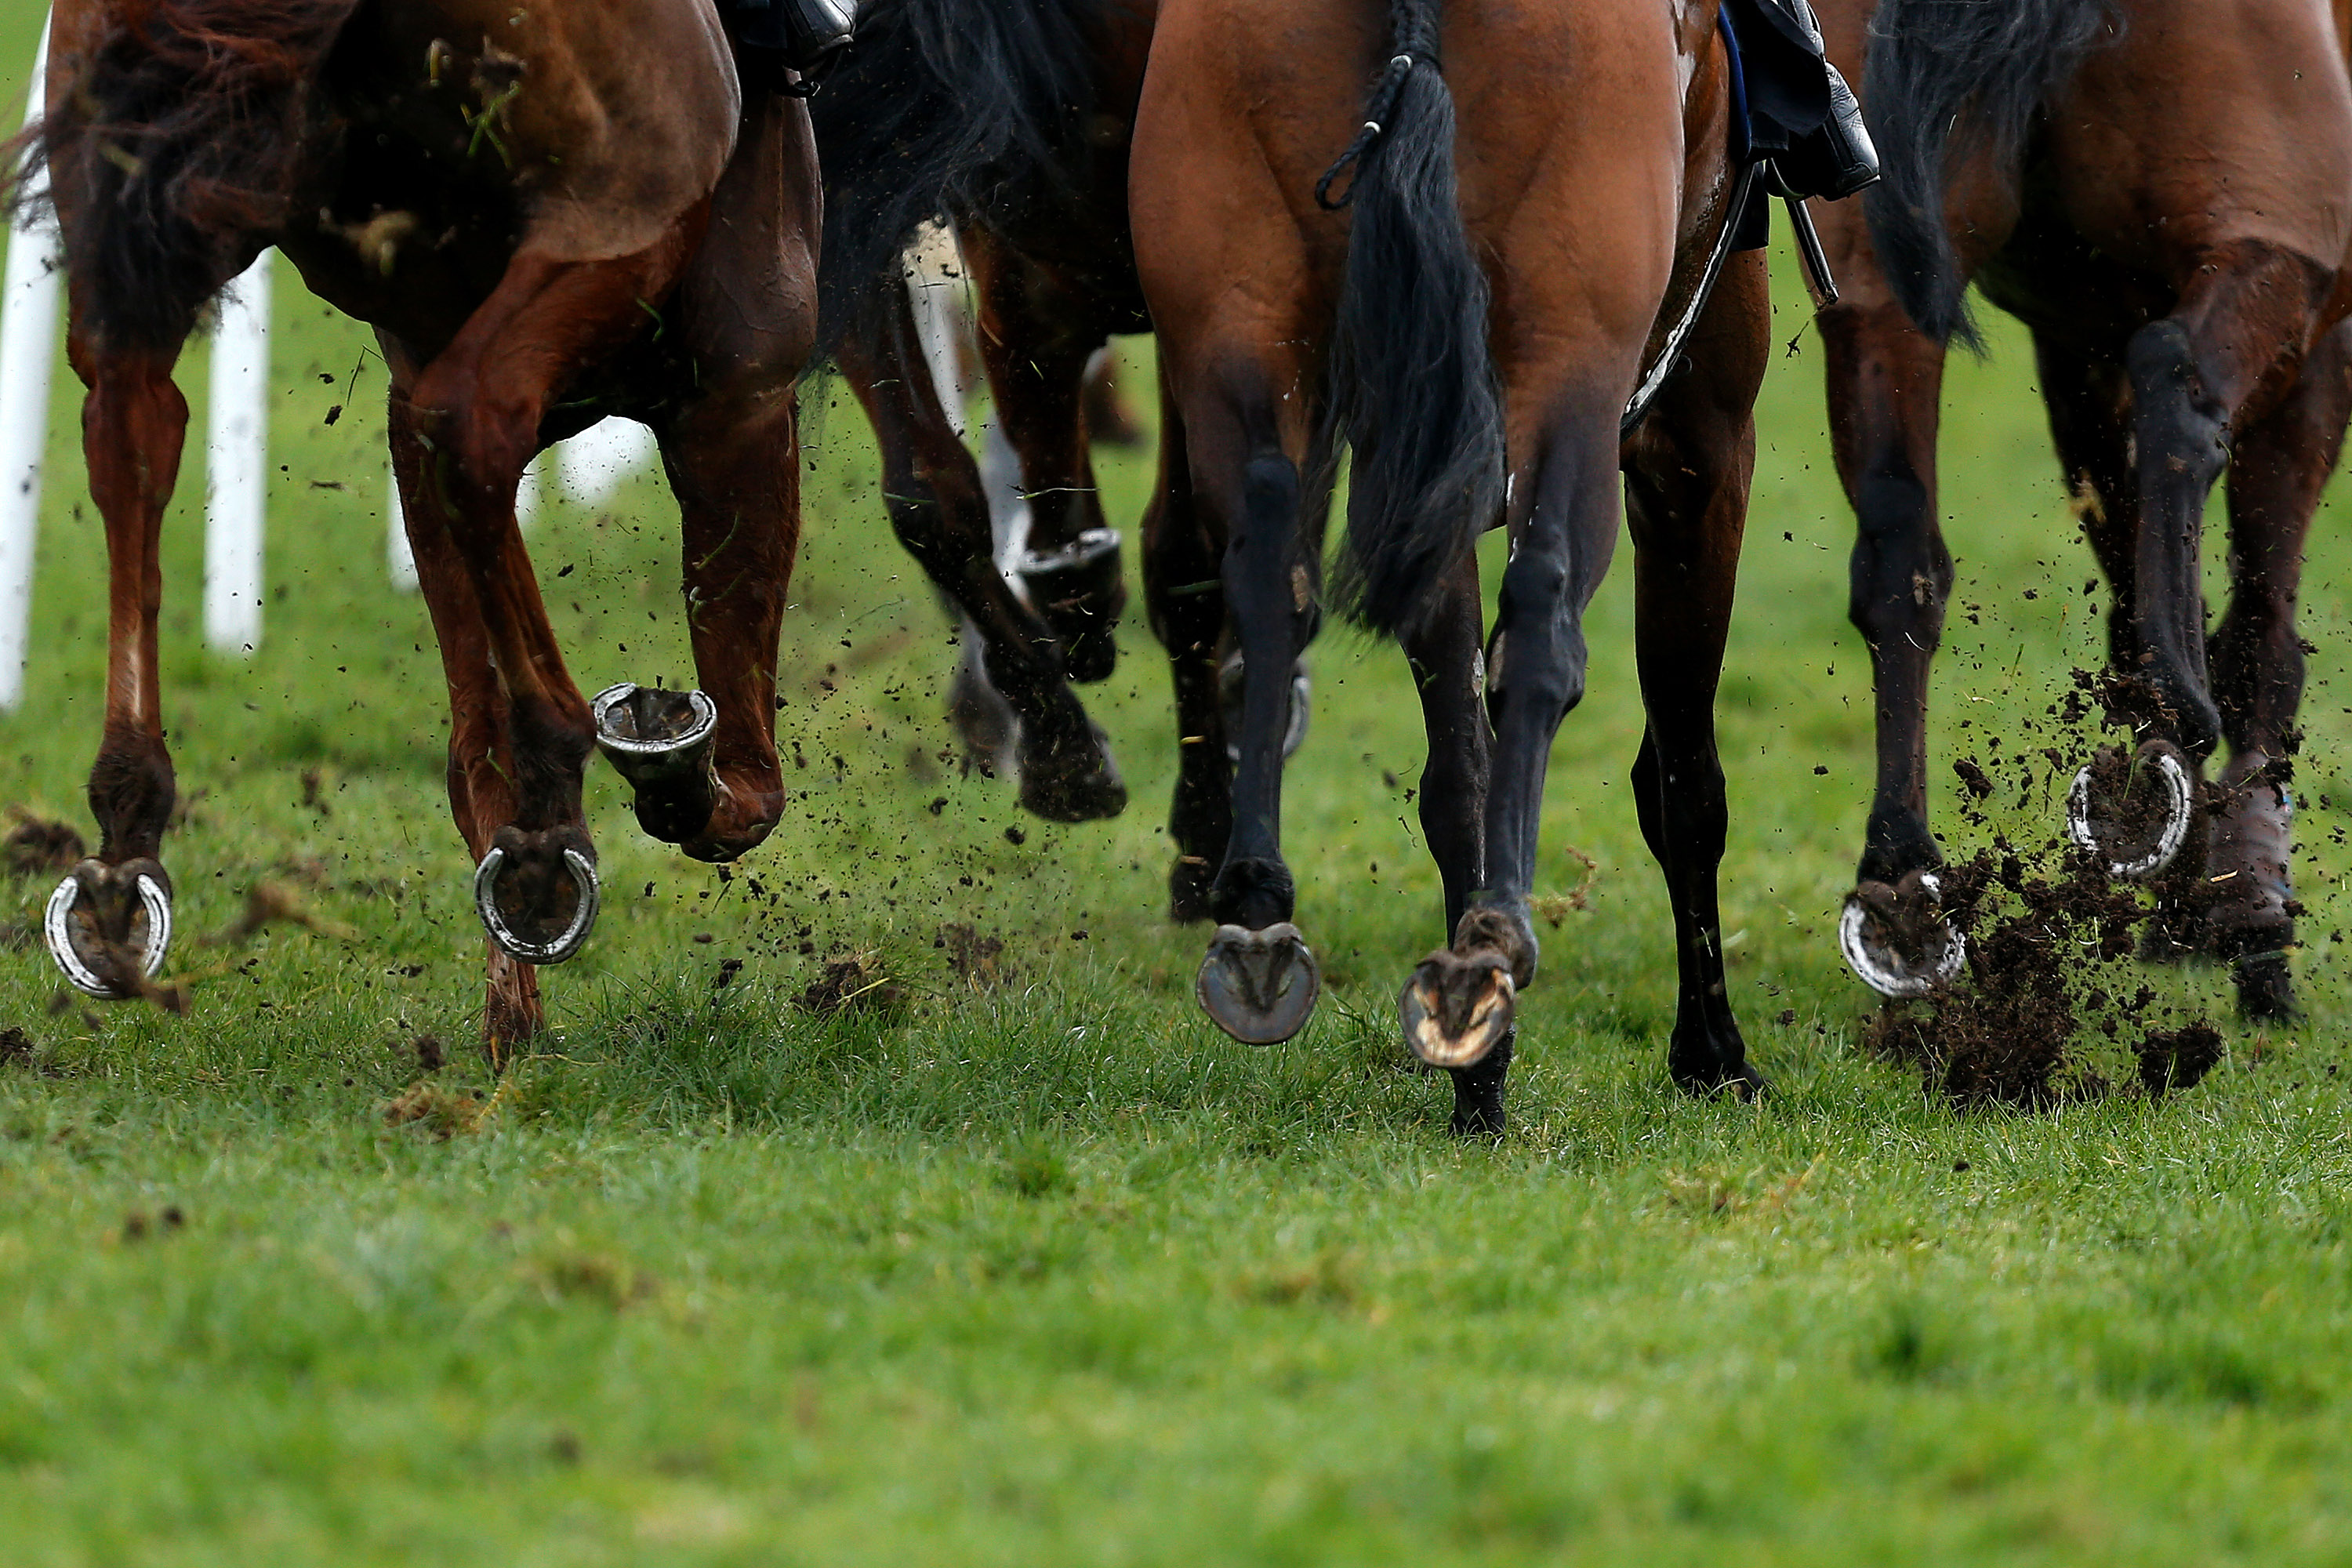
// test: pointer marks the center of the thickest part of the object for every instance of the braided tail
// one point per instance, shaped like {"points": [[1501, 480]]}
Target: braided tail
{"points": [[1412, 387]]}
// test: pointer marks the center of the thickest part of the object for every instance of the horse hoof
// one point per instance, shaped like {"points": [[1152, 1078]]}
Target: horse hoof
{"points": [[1062, 788], [535, 912], [1896, 939], [2134, 816], [1259, 986], [1229, 692], [1741, 1081], [1458, 1008], [661, 742], [109, 926], [1080, 592]]}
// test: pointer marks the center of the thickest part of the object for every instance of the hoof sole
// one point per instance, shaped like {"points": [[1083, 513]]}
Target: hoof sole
{"points": [[661, 742], [1868, 937], [1457, 1008], [73, 925], [1259, 986], [2133, 848], [502, 925]]}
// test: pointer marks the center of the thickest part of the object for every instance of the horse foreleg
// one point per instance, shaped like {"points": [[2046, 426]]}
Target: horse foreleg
{"points": [[109, 923], [1883, 379], [1036, 337], [478, 407], [932, 489], [747, 319], [2276, 473], [1448, 663], [1688, 487], [481, 769]]}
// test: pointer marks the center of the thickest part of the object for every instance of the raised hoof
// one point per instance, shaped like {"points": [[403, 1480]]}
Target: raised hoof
{"points": [[108, 927], [2134, 814], [1080, 591], [661, 742], [538, 899], [1073, 784], [1896, 939], [1259, 986], [1457, 1007], [1229, 693]]}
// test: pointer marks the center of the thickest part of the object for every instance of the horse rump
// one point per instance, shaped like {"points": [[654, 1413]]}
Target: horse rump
{"points": [[1946, 81], [177, 148], [946, 108], [1412, 387]]}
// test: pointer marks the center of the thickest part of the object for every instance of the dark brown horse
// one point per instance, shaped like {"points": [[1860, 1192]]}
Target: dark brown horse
{"points": [[549, 215], [2158, 190], [1473, 327]]}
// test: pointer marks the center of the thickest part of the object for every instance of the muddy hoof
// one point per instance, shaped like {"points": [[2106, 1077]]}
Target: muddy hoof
{"points": [[1073, 784], [1259, 986], [537, 894], [1740, 1081], [2265, 988], [1457, 1007], [1896, 939], [1080, 592], [661, 742], [2133, 813], [108, 927], [1229, 693]]}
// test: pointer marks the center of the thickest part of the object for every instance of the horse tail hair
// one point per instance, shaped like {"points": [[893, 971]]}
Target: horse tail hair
{"points": [[945, 109], [1945, 81], [178, 143], [1412, 384]]}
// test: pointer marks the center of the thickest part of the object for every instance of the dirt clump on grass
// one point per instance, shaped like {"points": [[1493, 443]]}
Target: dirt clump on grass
{"points": [[2044, 985], [852, 984], [977, 959], [36, 843]]}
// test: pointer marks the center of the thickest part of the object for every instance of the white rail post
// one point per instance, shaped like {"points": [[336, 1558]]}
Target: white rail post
{"points": [[237, 464], [29, 294]]}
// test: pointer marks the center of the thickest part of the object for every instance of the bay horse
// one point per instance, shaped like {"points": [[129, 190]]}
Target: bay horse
{"points": [[548, 215], [1536, 200], [2158, 190]]}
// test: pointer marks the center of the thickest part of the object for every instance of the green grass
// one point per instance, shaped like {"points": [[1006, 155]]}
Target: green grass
{"points": [[1051, 1272]]}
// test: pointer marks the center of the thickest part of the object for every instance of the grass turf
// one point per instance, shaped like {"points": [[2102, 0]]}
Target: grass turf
{"points": [[1042, 1267]]}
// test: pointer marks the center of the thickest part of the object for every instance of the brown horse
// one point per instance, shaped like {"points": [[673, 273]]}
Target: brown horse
{"points": [[2158, 189], [547, 214], [1474, 327]]}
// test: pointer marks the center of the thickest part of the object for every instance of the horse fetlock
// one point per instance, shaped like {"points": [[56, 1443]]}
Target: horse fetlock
{"points": [[108, 927], [662, 742], [1252, 893], [1068, 774], [1479, 1091], [1080, 592]]}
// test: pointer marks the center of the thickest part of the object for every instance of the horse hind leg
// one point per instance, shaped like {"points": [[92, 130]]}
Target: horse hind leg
{"points": [[109, 923], [2276, 473]]}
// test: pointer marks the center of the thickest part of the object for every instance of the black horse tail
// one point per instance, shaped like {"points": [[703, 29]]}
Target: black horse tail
{"points": [[178, 143], [1947, 81], [945, 109], [1412, 387]]}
